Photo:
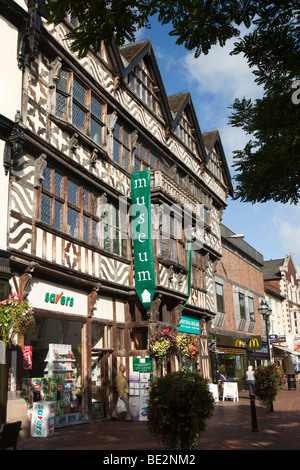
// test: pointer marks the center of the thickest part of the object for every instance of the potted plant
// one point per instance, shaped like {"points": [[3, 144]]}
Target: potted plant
{"points": [[162, 345], [16, 316], [179, 404], [268, 382], [188, 347]]}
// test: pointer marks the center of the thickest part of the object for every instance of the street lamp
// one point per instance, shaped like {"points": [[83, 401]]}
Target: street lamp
{"points": [[266, 311]]}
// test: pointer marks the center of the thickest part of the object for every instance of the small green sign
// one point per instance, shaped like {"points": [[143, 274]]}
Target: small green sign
{"points": [[144, 364]]}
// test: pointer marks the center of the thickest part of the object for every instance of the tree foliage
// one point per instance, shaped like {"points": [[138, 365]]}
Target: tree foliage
{"points": [[269, 165]]}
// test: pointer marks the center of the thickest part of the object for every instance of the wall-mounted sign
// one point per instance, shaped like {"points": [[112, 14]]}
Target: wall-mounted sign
{"points": [[59, 298], [273, 339], [144, 364], [189, 325], [144, 273], [254, 344]]}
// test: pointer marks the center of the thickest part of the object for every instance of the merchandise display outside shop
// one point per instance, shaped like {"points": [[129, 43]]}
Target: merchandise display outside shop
{"points": [[52, 373]]}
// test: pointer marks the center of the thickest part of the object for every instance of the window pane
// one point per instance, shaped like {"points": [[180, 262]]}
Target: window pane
{"points": [[125, 159], [94, 233], [58, 184], [96, 108], [58, 215], [78, 117], [79, 92], [46, 209], [72, 192], [242, 305], [47, 179], [86, 229], [116, 152], [61, 106], [95, 131], [85, 200], [62, 82], [73, 222]]}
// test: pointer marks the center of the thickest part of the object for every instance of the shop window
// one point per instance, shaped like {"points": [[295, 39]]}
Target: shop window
{"points": [[52, 331], [220, 297]]}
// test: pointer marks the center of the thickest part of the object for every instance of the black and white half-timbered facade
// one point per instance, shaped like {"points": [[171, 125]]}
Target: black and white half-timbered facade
{"points": [[73, 134]]}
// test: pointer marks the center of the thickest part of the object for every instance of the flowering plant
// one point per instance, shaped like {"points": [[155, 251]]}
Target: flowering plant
{"points": [[17, 315], [188, 346], [162, 345], [268, 382]]}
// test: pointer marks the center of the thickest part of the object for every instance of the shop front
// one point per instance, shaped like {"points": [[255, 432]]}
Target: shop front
{"points": [[231, 356], [53, 353]]}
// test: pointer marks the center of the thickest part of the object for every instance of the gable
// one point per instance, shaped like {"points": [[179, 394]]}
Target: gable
{"points": [[140, 72], [216, 160]]}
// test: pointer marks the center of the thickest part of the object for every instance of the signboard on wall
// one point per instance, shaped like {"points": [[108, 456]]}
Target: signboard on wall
{"points": [[144, 273], [189, 325], [57, 297], [144, 364]]}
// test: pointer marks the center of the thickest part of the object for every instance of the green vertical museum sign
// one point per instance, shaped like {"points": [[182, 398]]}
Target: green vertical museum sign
{"points": [[144, 272]]}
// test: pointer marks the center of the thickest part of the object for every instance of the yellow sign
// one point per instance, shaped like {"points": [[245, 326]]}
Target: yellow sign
{"points": [[254, 343]]}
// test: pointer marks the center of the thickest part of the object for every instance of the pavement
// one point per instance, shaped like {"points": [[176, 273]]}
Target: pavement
{"points": [[230, 428]]}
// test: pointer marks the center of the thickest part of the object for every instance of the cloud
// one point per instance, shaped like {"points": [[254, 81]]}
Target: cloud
{"points": [[286, 220]]}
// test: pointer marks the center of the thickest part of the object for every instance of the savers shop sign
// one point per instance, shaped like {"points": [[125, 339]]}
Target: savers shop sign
{"points": [[61, 299]]}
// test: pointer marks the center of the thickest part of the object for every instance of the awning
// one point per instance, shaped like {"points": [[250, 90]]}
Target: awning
{"points": [[286, 350]]}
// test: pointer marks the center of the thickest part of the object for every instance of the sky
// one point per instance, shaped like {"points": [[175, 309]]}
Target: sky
{"points": [[214, 81]]}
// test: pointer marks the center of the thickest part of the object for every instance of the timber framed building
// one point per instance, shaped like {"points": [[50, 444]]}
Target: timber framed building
{"points": [[82, 126]]}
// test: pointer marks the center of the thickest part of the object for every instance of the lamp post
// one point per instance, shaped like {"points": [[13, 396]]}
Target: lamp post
{"points": [[266, 311]]}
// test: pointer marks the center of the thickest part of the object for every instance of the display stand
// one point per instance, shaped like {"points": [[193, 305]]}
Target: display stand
{"points": [[58, 386], [230, 390], [138, 394]]}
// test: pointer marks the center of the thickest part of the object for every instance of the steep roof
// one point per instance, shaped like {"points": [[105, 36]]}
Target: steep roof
{"points": [[212, 139], [271, 269]]}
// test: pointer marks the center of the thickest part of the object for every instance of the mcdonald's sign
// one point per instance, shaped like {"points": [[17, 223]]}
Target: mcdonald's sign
{"points": [[254, 343]]}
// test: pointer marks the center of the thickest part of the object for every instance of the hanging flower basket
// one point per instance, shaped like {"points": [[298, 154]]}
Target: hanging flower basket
{"points": [[162, 345], [188, 347], [16, 316]]}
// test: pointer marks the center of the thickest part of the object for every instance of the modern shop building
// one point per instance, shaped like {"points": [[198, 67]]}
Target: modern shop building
{"points": [[238, 337]]}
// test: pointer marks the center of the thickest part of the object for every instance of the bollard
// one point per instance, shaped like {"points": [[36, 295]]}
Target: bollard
{"points": [[253, 413]]}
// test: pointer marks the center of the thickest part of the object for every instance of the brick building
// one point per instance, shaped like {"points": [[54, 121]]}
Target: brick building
{"points": [[282, 287], [239, 287]]}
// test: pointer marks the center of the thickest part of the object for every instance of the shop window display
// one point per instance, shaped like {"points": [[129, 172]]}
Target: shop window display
{"points": [[54, 371]]}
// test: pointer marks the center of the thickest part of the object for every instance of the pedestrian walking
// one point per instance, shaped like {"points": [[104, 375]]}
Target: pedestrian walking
{"points": [[123, 392], [250, 380]]}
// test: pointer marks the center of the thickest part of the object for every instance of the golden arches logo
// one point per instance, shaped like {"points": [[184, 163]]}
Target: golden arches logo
{"points": [[239, 343], [253, 342]]}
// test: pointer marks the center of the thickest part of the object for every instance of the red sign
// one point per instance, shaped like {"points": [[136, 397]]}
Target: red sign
{"points": [[27, 357]]}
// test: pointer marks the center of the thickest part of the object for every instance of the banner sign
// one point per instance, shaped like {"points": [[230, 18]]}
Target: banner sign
{"points": [[144, 272]]}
